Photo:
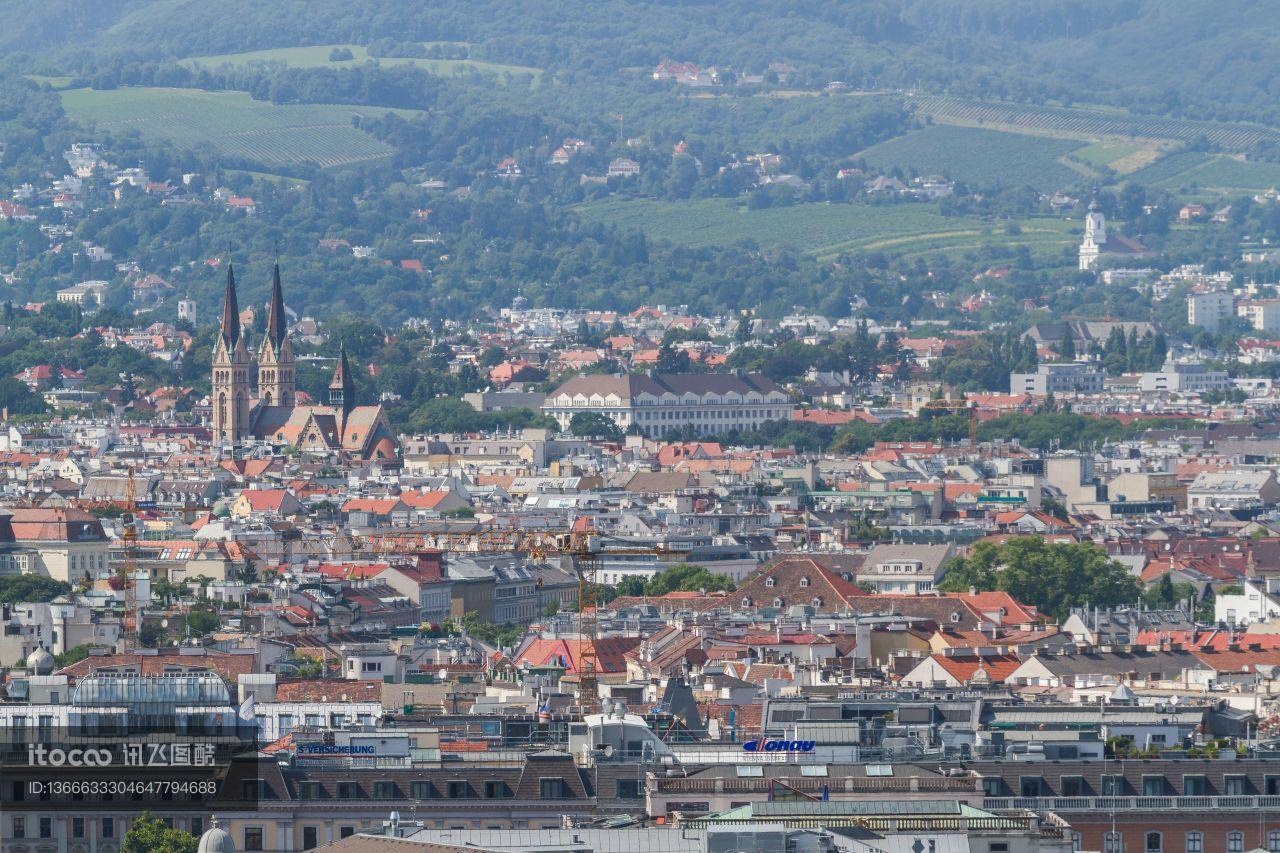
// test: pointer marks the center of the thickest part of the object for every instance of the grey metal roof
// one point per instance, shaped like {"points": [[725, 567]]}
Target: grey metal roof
{"points": [[651, 840]]}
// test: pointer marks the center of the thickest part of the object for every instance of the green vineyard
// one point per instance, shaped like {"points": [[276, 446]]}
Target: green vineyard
{"points": [[232, 123], [1089, 124], [978, 157]]}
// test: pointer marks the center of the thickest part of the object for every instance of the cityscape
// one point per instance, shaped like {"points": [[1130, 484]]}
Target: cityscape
{"points": [[640, 427]]}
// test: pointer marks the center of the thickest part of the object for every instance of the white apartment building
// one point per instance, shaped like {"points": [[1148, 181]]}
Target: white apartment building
{"points": [[1208, 310], [1058, 379], [1262, 314], [1190, 378]]}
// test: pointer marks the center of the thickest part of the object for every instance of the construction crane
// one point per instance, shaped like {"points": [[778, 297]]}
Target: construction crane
{"points": [[129, 565], [580, 546], [955, 407], [583, 549]]}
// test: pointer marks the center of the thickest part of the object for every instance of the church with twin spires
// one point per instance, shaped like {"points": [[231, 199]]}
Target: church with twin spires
{"points": [[274, 415]]}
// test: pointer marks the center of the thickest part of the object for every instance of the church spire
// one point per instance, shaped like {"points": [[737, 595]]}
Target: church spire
{"points": [[277, 324], [342, 390], [230, 311]]}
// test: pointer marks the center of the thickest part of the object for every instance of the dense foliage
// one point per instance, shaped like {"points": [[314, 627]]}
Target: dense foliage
{"points": [[1051, 577], [31, 588]]}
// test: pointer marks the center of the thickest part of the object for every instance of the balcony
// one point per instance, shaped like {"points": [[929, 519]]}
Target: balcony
{"points": [[1131, 804]]}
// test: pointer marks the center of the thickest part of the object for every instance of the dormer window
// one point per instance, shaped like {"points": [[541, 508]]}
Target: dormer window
{"points": [[777, 602], [955, 617], [770, 582], [817, 601], [804, 581], [746, 602]]}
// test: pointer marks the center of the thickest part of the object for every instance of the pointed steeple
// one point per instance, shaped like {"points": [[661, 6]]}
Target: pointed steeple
{"points": [[342, 390], [230, 311], [277, 324]]}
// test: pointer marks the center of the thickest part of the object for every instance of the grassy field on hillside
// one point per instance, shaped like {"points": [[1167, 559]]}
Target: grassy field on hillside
{"points": [[1089, 124], [232, 123], [978, 157], [317, 56], [1219, 174], [824, 230]]}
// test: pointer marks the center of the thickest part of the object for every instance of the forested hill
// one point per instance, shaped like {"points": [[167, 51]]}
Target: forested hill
{"points": [[1211, 60]]}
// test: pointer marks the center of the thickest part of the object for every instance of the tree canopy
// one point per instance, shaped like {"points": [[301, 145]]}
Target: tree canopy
{"points": [[1053, 577], [147, 834]]}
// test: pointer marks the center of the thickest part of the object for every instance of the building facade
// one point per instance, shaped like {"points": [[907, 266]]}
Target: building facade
{"points": [[654, 404]]}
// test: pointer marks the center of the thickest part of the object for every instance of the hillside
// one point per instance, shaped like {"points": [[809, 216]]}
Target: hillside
{"points": [[1211, 61]]}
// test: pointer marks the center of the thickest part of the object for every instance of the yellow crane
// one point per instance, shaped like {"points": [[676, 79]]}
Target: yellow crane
{"points": [[129, 564], [955, 407]]}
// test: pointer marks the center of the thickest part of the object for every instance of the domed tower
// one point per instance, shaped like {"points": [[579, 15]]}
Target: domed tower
{"points": [[275, 356], [216, 840], [230, 372], [40, 662]]}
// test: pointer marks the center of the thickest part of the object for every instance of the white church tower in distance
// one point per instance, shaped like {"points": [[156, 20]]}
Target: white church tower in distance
{"points": [[1095, 237]]}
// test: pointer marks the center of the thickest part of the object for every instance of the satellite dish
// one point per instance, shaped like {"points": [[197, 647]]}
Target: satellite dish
{"points": [[605, 749], [443, 674]]}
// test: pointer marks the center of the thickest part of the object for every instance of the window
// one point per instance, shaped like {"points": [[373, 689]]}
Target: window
{"points": [[1073, 786], [197, 826], [1194, 786], [1235, 786], [253, 838], [309, 791], [994, 847], [1153, 786], [1154, 843], [1029, 786], [346, 831], [1273, 841], [1112, 843], [551, 789], [347, 790], [630, 789], [108, 827], [1235, 841], [769, 582], [19, 827], [1112, 786], [384, 790], [457, 790], [1195, 842], [420, 790], [1271, 784], [46, 827], [310, 837], [77, 827]]}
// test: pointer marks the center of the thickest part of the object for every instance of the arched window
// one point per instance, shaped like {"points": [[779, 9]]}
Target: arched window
{"points": [[1112, 843], [1195, 842], [1235, 841], [1154, 843]]}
